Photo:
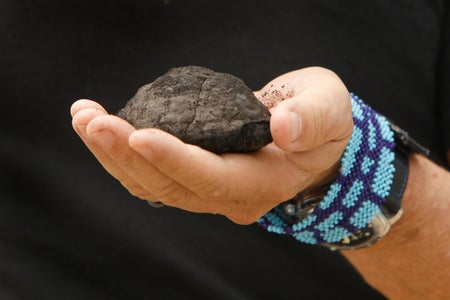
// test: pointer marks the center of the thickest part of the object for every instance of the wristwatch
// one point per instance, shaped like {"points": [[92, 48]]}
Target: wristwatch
{"points": [[298, 208]]}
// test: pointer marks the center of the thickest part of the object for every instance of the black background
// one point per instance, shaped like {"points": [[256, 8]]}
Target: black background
{"points": [[70, 231]]}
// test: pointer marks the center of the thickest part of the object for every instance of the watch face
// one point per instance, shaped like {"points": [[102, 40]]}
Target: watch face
{"points": [[364, 237]]}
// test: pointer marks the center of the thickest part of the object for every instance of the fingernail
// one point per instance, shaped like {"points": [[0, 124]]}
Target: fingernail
{"points": [[105, 138], [135, 142], [296, 126]]}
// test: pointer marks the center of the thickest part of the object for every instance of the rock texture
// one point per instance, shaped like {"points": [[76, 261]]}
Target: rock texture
{"points": [[215, 111]]}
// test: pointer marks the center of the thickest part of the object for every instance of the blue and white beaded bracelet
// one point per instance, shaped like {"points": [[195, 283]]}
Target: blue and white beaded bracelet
{"points": [[364, 181]]}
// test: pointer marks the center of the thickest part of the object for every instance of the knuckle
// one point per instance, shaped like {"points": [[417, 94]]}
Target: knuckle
{"points": [[168, 193], [139, 192], [220, 192]]}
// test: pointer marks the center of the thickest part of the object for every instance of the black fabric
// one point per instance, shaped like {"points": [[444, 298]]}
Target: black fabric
{"points": [[444, 82], [69, 231]]}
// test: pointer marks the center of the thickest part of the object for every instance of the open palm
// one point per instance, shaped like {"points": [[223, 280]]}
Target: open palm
{"points": [[311, 124]]}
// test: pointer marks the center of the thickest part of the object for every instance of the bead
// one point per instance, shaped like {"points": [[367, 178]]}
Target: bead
{"points": [[365, 180]]}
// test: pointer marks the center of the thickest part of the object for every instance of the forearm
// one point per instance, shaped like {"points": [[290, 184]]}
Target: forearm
{"points": [[413, 260]]}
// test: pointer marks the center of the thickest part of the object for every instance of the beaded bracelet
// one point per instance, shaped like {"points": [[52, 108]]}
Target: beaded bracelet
{"points": [[364, 181]]}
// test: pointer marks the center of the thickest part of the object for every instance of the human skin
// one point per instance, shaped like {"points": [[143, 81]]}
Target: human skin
{"points": [[311, 124], [413, 260], [156, 166]]}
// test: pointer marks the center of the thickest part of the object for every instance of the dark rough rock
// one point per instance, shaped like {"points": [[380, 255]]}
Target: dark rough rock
{"points": [[215, 111]]}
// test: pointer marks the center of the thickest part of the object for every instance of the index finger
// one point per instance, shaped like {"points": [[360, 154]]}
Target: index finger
{"points": [[229, 177]]}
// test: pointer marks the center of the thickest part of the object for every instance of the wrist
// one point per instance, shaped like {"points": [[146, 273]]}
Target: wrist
{"points": [[322, 181], [419, 200], [365, 198], [417, 243]]}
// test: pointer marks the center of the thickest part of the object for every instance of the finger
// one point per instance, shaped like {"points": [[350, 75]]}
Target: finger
{"points": [[318, 113], [189, 165], [111, 134], [230, 177], [84, 112], [81, 119], [83, 104], [277, 90]]}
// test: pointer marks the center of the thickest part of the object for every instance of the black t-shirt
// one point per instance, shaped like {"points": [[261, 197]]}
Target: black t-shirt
{"points": [[70, 231]]}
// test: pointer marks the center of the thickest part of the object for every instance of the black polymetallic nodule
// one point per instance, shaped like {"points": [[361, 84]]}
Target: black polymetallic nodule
{"points": [[215, 111]]}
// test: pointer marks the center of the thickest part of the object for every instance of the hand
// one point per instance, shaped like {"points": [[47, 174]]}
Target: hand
{"points": [[311, 125]]}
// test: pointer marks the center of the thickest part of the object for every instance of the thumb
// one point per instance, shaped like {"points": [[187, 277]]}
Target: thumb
{"points": [[316, 115]]}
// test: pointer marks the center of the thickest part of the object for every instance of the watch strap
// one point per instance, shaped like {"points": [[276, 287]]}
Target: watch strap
{"points": [[363, 187]]}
